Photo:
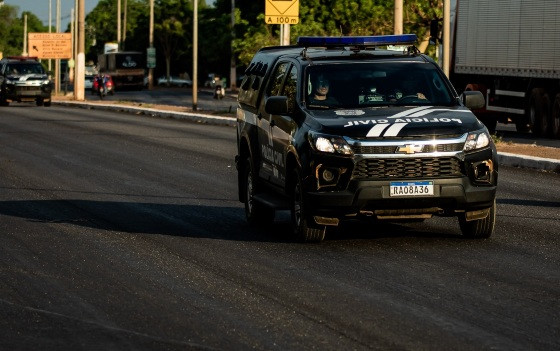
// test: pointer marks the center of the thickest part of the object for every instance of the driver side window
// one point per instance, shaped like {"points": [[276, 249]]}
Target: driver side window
{"points": [[275, 86]]}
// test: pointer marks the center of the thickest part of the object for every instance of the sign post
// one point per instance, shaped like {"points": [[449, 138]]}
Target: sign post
{"points": [[50, 45], [281, 11], [284, 13]]}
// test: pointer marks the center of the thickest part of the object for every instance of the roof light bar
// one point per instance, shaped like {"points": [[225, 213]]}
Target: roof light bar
{"points": [[378, 40]]}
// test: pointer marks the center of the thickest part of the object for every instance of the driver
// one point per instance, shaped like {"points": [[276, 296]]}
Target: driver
{"points": [[319, 92]]}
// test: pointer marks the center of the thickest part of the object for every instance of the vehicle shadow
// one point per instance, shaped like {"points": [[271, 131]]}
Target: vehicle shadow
{"points": [[184, 220]]}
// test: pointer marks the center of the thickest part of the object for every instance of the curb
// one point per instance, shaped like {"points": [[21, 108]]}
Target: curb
{"points": [[522, 161], [504, 158], [190, 116]]}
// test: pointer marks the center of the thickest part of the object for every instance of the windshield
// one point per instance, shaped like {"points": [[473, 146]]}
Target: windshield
{"points": [[375, 84], [24, 68]]}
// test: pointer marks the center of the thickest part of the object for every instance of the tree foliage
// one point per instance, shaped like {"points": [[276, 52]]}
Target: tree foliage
{"points": [[174, 28], [11, 29]]}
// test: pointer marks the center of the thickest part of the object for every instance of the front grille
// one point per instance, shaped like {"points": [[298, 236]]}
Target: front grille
{"points": [[27, 88], [370, 150], [392, 149], [408, 168]]}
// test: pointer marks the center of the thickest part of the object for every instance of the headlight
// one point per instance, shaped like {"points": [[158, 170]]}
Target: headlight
{"points": [[476, 140], [330, 144]]}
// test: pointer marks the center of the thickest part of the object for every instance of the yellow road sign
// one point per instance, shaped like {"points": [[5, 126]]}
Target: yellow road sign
{"points": [[281, 11], [50, 45]]}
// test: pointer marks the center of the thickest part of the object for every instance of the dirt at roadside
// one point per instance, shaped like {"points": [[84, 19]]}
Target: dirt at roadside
{"points": [[529, 150]]}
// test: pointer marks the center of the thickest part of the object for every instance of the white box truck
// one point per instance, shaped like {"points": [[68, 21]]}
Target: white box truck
{"points": [[510, 51]]}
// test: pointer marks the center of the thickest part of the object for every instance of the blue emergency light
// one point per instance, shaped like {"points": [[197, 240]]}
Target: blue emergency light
{"points": [[376, 40]]}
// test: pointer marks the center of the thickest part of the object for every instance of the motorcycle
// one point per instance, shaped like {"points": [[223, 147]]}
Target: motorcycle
{"points": [[219, 92], [101, 86]]}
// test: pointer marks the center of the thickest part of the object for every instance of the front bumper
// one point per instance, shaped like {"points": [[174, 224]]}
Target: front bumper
{"points": [[27, 92], [450, 196], [463, 183]]}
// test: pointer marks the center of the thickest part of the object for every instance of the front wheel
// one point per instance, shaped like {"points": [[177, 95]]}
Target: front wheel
{"points": [[304, 227], [479, 228], [255, 212], [4, 102]]}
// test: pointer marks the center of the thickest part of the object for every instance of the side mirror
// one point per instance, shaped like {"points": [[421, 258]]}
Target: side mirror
{"points": [[473, 99], [276, 105]]}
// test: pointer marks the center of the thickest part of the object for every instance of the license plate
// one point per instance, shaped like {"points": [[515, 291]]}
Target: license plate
{"points": [[424, 188]]}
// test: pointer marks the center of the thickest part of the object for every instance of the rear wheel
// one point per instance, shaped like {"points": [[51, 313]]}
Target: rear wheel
{"points": [[521, 124], [303, 225], [545, 115], [535, 111], [555, 118], [255, 212], [479, 228]]}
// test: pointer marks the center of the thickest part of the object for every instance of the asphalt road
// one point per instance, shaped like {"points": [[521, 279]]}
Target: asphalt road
{"points": [[123, 232]]}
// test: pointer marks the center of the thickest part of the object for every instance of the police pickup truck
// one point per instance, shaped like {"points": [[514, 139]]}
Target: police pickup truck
{"points": [[23, 78], [341, 127]]}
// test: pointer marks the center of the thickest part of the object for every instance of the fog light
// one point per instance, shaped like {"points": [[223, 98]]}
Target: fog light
{"points": [[483, 171], [328, 176]]}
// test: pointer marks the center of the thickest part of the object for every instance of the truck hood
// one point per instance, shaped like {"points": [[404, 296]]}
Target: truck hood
{"points": [[395, 121], [27, 77]]}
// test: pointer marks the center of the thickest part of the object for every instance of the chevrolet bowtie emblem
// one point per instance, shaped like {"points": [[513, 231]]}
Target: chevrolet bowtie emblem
{"points": [[410, 149]]}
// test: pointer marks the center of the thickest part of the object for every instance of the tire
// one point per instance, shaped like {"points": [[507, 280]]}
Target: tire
{"points": [[555, 117], [47, 103], [490, 122], [545, 118], [39, 102], [4, 102], [255, 212], [479, 228], [304, 227], [534, 111], [521, 124]]}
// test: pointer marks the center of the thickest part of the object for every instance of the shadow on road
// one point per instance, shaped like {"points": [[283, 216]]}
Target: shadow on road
{"points": [[224, 223]]}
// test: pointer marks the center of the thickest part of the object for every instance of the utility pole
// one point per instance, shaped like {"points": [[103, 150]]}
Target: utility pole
{"points": [[195, 56], [446, 36], [124, 27], [73, 59], [118, 25], [50, 25], [151, 70], [81, 59], [57, 61], [398, 17], [24, 52], [232, 72]]}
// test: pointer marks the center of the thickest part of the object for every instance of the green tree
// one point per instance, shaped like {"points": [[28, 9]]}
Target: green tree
{"points": [[11, 29]]}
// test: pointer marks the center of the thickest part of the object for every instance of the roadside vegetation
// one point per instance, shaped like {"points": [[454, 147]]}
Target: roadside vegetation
{"points": [[174, 23]]}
